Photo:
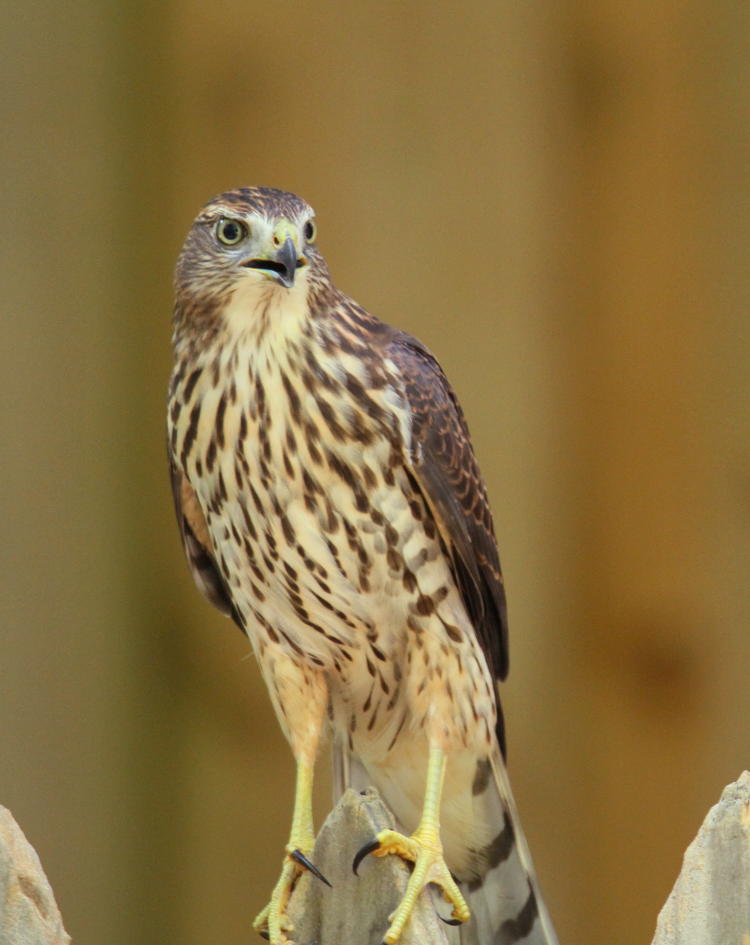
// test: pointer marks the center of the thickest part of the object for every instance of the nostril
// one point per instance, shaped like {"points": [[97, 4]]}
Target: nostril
{"points": [[276, 241]]}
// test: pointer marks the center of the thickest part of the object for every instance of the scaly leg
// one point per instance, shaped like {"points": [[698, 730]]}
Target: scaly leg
{"points": [[424, 849], [272, 919], [300, 703]]}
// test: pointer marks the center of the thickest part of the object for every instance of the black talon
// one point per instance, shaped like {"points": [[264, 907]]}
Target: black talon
{"points": [[363, 852], [450, 921], [265, 935], [300, 858]]}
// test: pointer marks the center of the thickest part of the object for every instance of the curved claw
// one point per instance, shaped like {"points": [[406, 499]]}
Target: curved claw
{"points": [[363, 852], [299, 857], [450, 921]]}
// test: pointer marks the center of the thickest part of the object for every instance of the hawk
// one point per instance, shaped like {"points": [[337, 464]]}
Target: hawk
{"points": [[331, 504]]}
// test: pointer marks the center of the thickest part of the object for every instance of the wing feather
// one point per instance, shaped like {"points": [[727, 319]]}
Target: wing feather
{"points": [[197, 544], [447, 472]]}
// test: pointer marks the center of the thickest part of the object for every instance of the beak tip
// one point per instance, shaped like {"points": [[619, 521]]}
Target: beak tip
{"points": [[287, 257]]}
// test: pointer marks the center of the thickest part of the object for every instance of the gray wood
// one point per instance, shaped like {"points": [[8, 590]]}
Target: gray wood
{"points": [[710, 902], [355, 911], [28, 911]]}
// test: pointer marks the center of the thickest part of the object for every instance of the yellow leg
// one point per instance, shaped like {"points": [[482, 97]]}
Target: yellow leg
{"points": [[273, 919], [425, 850]]}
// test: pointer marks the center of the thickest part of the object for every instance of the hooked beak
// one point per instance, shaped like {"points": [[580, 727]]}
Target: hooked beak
{"points": [[282, 265]]}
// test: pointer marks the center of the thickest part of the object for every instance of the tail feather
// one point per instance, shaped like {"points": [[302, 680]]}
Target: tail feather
{"points": [[505, 902]]}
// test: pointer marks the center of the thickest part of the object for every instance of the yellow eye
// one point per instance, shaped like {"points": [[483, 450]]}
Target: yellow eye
{"points": [[230, 232], [310, 231]]}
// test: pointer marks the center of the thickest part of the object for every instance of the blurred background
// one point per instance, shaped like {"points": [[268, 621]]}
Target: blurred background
{"points": [[555, 197]]}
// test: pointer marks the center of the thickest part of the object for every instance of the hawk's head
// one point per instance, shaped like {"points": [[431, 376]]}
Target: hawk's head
{"points": [[254, 240]]}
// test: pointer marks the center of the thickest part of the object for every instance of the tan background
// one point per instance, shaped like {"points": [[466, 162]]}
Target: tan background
{"points": [[555, 198]]}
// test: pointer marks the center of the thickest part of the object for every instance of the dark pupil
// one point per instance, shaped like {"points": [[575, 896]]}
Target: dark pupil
{"points": [[309, 231], [230, 232]]}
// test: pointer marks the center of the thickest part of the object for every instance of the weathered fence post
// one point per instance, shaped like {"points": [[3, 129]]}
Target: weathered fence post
{"points": [[355, 911], [28, 911], [710, 902]]}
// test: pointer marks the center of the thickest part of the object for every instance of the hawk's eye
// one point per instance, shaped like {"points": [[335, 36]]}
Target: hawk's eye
{"points": [[309, 231], [230, 232]]}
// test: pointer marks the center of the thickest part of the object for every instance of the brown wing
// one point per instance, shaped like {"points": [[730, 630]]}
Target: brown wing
{"points": [[448, 475], [197, 544]]}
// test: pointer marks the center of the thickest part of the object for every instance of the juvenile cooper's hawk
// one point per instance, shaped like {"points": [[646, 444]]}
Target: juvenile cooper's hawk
{"points": [[331, 504]]}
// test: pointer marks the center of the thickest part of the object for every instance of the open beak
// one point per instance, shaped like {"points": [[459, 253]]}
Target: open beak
{"points": [[282, 265]]}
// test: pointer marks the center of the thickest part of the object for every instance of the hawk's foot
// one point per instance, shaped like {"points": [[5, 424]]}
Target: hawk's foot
{"points": [[272, 922], [424, 850]]}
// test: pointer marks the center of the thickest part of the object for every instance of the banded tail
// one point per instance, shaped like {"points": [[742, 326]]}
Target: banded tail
{"points": [[506, 905]]}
